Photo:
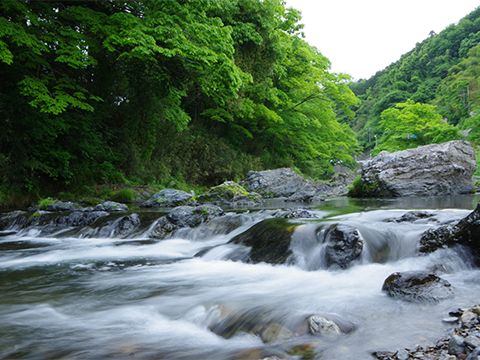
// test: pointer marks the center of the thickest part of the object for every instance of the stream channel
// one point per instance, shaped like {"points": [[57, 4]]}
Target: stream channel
{"points": [[83, 294]]}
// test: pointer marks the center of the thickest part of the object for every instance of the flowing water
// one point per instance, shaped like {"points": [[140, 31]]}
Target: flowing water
{"points": [[85, 294]]}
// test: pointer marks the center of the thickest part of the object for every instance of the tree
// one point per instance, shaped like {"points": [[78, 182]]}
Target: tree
{"points": [[413, 124]]}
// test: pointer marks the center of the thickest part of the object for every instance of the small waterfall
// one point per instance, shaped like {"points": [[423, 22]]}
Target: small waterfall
{"points": [[111, 289]]}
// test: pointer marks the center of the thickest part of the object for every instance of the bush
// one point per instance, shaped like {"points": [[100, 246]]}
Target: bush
{"points": [[43, 203], [123, 195]]}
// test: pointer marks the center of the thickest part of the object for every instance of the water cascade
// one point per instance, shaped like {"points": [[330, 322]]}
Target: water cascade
{"points": [[112, 290]]}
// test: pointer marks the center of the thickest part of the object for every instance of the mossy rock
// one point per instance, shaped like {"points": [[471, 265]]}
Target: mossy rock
{"points": [[229, 191], [269, 241]]}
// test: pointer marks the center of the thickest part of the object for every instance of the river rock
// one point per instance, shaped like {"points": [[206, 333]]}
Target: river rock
{"points": [[466, 232], [436, 169], [79, 218], [318, 325], [456, 345], [60, 206], [412, 216], [169, 198], [344, 244], [111, 206], [417, 286], [185, 216], [282, 182], [269, 241]]}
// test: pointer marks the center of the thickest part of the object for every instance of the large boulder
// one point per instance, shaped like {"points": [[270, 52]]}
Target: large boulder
{"points": [[282, 182], [417, 286], [437, 169], [465, 232]]}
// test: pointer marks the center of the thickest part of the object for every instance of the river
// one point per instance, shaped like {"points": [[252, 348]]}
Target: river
{"points": [[88, 295]]}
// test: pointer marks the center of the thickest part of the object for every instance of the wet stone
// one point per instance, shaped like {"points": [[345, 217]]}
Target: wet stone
{"points": [[456, 345], [472, 342]]}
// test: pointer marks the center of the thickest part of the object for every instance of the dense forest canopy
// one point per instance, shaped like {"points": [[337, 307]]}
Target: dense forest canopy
{"points": [[441, 71], [195, 91]]}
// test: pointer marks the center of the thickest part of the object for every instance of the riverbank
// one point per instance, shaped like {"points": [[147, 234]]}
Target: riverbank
{"points": [[460, 342]]}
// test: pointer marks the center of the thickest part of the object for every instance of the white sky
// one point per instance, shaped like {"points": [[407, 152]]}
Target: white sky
{"points": [[361, 37]]}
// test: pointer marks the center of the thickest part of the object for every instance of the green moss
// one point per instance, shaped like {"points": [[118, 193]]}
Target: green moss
{"points": [[359, 188]]}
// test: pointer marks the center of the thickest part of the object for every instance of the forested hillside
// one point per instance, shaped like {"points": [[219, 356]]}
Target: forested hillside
{"points": [[150, 92], [435, 85]]}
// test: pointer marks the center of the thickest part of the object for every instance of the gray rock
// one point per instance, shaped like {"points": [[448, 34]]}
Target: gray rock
{"points": [[412, 216], [344, 245], [437, 169], [469, 318], [318, 325], [456, 345], [111, 206], [475, 355], [402, 354], [280, 182], [185, 216], [127, 224], [472, 342], [466, 232], [168, 198], [417, 286], [445, 356], [79, 218], [64, 206]]}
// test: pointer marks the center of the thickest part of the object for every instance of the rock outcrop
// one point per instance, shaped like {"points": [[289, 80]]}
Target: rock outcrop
{"points": [[417, 286], [169, 198], [230, 193], [283, 182], [465, 232], [185, 216], [437, 169]]}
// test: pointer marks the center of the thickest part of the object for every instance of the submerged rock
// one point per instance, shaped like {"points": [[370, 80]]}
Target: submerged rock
{"points": [[437, 169], [465, 232], [318, 325], [417, 286], [282, 182], [169, 198], [412, 216], [344, 244]]}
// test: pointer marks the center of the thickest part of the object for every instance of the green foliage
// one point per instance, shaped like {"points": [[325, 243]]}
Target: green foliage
{"points": [[413, 124], [125, 195], [437, 71], [360, 188], [155, 91], [43, 203]]}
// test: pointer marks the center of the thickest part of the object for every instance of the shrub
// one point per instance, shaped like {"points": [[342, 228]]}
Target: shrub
{"points": [[123, 195]]}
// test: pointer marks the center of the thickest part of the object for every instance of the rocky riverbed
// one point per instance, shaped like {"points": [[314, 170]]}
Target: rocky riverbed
{"points": [[462, 341]]}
